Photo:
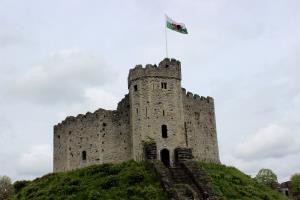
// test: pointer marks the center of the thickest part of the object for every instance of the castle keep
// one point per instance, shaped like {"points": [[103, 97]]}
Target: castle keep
{"points": [[157, 119]]}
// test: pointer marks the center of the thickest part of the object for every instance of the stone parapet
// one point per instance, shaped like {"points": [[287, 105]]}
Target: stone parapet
{"points": [[168, 68], [196, 98]]}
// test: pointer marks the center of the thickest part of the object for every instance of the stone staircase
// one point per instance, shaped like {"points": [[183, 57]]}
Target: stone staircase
{"points": [[183, 184], [184, 181]]}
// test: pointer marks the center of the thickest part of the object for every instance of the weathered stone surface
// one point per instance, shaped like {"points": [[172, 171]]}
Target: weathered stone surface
{"points": [[183, 154], [164, 175], [199, 177], [156, 103], [184, 181], [151, 151]]}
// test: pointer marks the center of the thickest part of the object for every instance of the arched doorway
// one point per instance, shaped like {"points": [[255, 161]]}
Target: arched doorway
{"points": [[165, 157]]}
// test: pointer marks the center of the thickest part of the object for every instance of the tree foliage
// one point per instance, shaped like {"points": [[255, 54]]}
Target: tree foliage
{"points": [[295, 182], [18, 185], [266, 176], [6, 188]]}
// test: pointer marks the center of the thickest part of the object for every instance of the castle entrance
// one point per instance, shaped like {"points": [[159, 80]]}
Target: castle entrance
{"points": [[165, 157]]}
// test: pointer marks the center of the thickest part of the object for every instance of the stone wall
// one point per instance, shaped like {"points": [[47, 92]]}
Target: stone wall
{"points": [[104, 136], [200, 126]]}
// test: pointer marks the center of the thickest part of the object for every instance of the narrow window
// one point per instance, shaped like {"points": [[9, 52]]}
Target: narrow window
{"points": [[164, 85], [164, 131], [163, 112], [185, 134], [135, 88], [137, 111], [146, 112], [83, 155]]}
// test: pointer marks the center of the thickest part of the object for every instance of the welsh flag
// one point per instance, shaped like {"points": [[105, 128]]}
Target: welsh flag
{"points": [[175, 26]]}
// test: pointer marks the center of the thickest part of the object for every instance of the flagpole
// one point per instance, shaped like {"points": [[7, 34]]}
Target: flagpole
{"points": [[166, 40]]}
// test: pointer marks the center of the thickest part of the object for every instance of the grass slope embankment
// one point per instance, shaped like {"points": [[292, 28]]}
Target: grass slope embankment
{"points": [[128, 180], [232, 184]]}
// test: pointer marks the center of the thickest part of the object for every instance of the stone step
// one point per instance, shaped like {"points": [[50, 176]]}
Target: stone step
{"points": [[184, 185], [179, 175], [180, 184], [187, 192]]}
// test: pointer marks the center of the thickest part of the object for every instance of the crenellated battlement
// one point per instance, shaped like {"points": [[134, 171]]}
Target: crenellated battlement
{"points": [[196, 97], [123, 105], [167, 68], [82, 117]]}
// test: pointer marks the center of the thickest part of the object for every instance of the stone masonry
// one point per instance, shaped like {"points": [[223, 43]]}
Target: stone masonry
{"points": [[156, 110]]}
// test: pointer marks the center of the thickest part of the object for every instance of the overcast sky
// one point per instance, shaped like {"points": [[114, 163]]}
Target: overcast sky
{"points": [[65, 57]]}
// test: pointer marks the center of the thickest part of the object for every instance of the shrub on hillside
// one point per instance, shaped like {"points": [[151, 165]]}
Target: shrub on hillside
{"points": [[18, 185], [295, 182]]}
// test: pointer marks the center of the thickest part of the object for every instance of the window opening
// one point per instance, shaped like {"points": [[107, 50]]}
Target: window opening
{"points": [[185, 134], [164, 131], [164, 85], [165, 157], [83, 155]]}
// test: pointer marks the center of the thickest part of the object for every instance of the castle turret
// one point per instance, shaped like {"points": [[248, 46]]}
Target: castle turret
{"points": [[156, 109]]}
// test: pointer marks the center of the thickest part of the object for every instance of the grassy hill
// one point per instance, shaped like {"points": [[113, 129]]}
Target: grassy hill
{"points": [[133, 180], [232, 184], [128, 180]]}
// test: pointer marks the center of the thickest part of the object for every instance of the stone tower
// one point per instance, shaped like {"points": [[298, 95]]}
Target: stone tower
{"points": [[156, 110], [157, 113]]}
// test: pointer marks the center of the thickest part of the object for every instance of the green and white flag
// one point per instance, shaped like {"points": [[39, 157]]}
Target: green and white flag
{"points": [[175, 26]]}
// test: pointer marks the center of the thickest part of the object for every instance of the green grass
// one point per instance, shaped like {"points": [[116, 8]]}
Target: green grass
{"points": [[232, 184], [133, 180], [128, 180]]}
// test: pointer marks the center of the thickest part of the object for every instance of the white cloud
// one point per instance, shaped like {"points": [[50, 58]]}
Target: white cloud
{"points": [[35, 162], [270, 142], [94, 98], [98, 97], [62, 78], [275, 147], [283, 167], [9, 35]]}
